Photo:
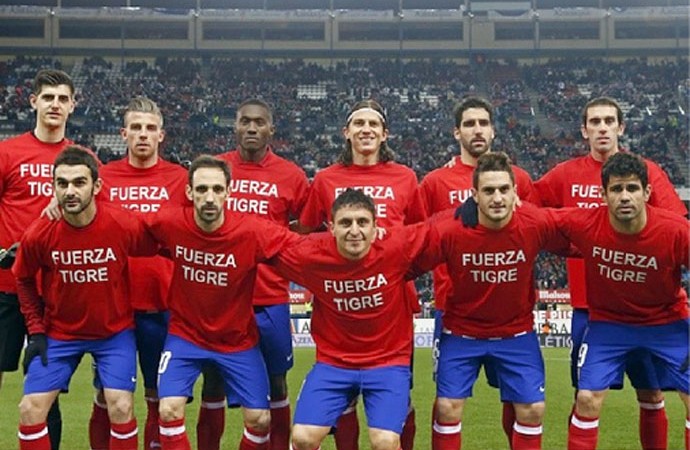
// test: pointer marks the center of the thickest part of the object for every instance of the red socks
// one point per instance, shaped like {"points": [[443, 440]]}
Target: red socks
{"points": [[123, 436], [508, 420], [653, 426], [409, 431], [687, 434], [211, 424], [526, 437], [280, 424], [151, 435], [446, 436], [254, 440], [173, 435], [347, 432], [99, 427], [34, 437], [583, 433]]}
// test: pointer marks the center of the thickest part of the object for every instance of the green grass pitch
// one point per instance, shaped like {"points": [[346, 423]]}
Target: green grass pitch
{"points": [[481, 424]]}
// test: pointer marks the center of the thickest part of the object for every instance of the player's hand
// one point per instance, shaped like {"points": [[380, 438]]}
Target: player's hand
{"points": [[52, 211], [37, 346], [7, 256], [468, 213]]}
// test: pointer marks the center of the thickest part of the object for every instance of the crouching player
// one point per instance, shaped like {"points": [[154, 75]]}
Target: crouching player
{"points": [[85, 309], [361, 322], [633, 256]]}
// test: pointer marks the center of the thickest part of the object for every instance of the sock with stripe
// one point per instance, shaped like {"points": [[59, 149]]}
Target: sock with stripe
{"points": [[174, 435], [280, 424], [253, 439], [151, 435], [347, 432], [446, 436], [526, 437], [583, 433], [211, 424], [34, 437], [123, 436], [653, 426]]}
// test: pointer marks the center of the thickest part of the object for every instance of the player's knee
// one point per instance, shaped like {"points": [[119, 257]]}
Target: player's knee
{"points": [[302, 439], [384, 440], [530, 413], [32, 411], [649, 395], [257, 419], [589, 402], [448, 409], [120, 408], [169, 409]]}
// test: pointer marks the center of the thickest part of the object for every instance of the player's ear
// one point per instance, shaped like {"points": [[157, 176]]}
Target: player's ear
{"points": [[97, 185], [331, 227], [473, 191], [188, 192], [647, 192]]}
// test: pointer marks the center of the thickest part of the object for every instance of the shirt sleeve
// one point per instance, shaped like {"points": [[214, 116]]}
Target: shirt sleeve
{"points": [[663, 194], [25, 269]]}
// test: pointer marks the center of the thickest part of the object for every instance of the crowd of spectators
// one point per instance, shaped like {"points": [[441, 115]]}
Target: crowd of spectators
{"points": [[538, 107]]}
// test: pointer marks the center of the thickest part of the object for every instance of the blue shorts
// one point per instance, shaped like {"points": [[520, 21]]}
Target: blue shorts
{"points": [[607, 346], [114, 357], [327, 391], [244, 372], [275, 337], [150, 331], [638, 363], [517, 361]]}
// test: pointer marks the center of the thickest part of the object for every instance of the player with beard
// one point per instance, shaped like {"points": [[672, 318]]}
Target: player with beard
{"points": [[449, 186], [576, 183], [85, 308], [215, 255], [142, 181], [367, 164], [25, 188], [268, 186]]}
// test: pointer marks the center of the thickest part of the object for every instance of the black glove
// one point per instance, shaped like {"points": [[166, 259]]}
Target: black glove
{"points": [[7, 256], [469, 213], [38, 345]]}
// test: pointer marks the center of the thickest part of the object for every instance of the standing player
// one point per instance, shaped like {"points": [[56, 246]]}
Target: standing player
{"points": [[361, 322], [85, 308], [633, 257], [264, 185], [144, 182], [366, 163], [488, 317], [577, 183], [26, 178], [449, 186], [215, 256]]}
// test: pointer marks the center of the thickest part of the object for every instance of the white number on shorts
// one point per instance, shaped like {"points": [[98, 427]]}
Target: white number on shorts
{"points": [[165, 359], [582, 355]]}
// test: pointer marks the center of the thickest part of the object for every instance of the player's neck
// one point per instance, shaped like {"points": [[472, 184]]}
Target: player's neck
{"points": [[634, 226], [254, 157], [209, 227], [83, 218], [49, 135], [602, 157], [359, 159], [467, 159], [493, 224], [143, 163]]}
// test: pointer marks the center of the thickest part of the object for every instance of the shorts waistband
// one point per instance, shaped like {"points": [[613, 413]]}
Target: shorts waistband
{"points": [[464, 336]]}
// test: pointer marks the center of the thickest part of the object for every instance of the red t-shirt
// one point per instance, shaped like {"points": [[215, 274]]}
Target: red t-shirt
{"points": [[146, 191], [210, 297], [26, 187], [631, 278], [274, 189], [449, 187], [361, 318], [84, 274], [577, 183], [492, 272]]}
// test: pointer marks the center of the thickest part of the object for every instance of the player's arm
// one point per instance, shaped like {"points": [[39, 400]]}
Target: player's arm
{"points": [[428, 252], [25, 269], [663, 194]]}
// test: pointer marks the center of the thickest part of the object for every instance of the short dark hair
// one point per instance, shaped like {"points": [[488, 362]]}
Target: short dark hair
{"points": [[472, 102], [256, 102], [492, 162], [208, 161], [51, 77], [624, 165], [353, 197], [76, 155], [385, 153], [602, 101]]}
